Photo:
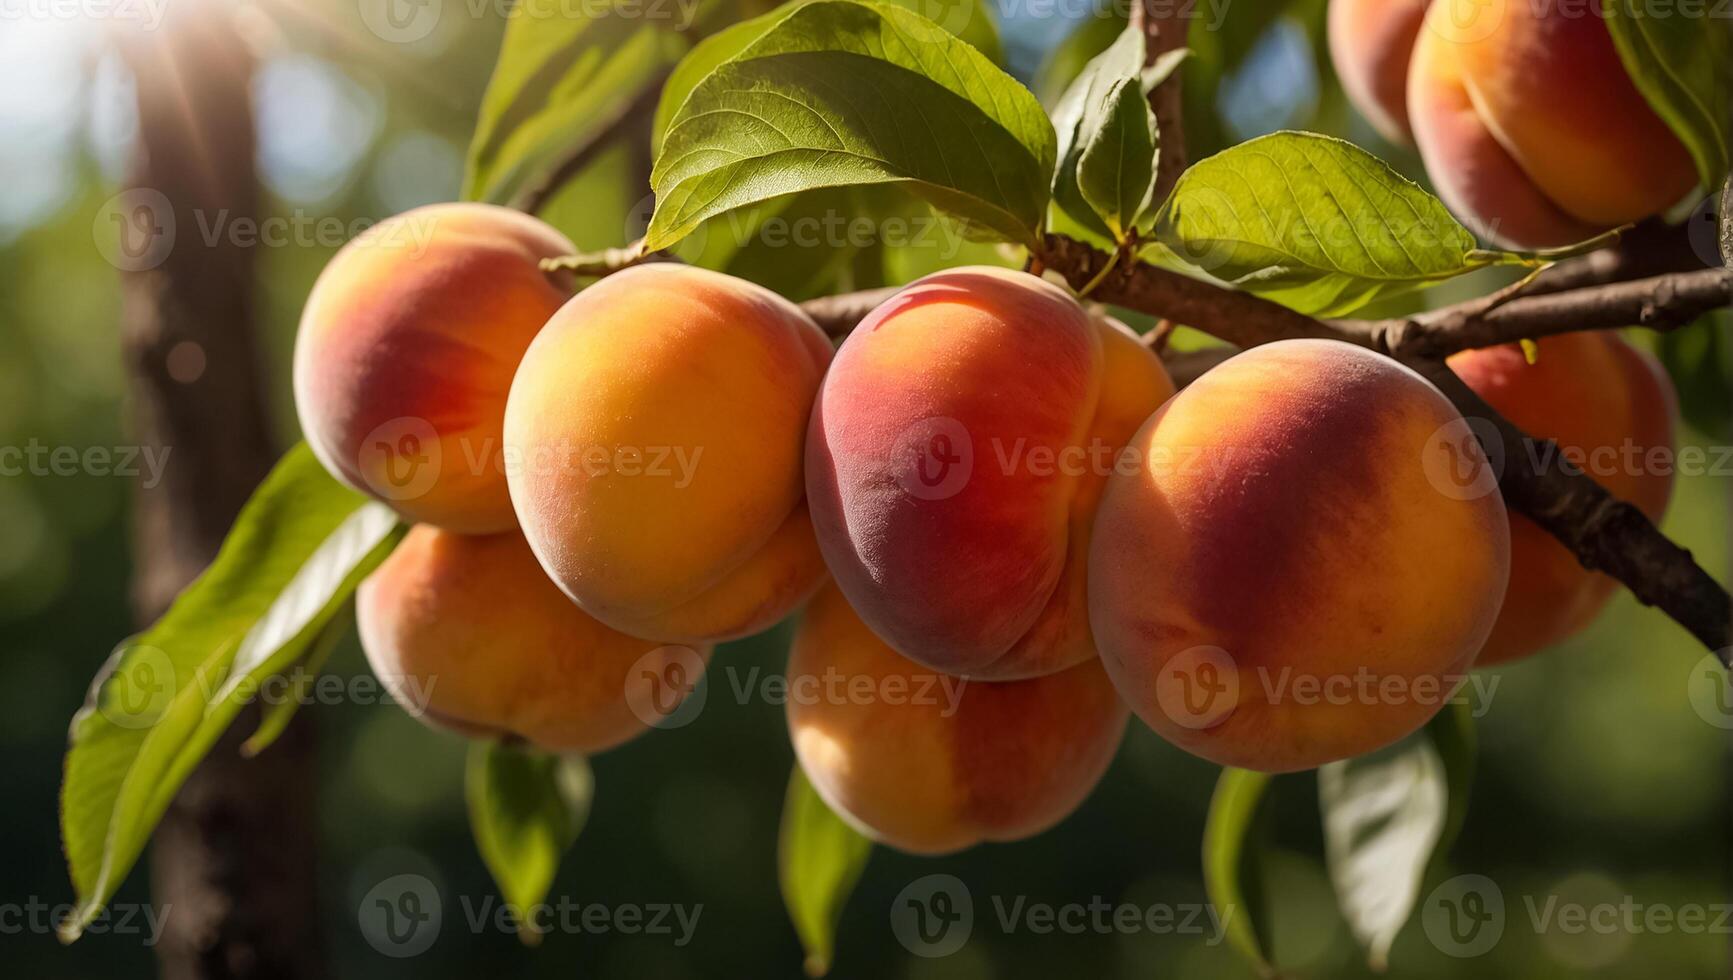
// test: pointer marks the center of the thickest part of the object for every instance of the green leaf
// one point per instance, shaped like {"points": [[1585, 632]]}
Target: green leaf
{"points": [[1680, 63], [1316, 223], [1079, 117], [278, 715], [820, 858], [1116, 170], [560, 81], [967, 19], [526, 808], [295, 555], [1386, 816], [1233, 839], [840, 93]]}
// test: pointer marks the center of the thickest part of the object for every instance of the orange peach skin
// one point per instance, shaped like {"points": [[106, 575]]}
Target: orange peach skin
{"points": [[655, 431], [1371, 42], [1283, 529], [1531, 128], [469, 635], [974, 566], [1608, 406], [930, 763], [406, 351]]}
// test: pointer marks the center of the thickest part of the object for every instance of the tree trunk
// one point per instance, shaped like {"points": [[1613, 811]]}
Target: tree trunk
{"points": [[232, 860]]}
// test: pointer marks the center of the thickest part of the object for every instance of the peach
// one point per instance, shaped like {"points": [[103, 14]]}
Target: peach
{"points": [[1371, 42], [470, 635], [1292, 572], [1610, 408], [955, 458], [654, 437], [928, 762], [406, 351], [1531, 128]]}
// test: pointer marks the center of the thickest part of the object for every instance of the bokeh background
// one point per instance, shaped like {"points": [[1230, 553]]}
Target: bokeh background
{"points": [[1601, 780]]}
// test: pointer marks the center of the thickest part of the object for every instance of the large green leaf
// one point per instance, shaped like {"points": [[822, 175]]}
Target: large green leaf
{"points": [[561, 79], [295, 555], [820, 858], [1681, 65], [1089, 112], [1316, 223], [968, 19], [841, 92], [1232, 852], [525, 808], [1386, 816]]}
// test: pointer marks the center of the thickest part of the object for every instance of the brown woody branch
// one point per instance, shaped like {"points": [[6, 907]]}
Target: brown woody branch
{"points": [[1605, 534], [1164, 30]]}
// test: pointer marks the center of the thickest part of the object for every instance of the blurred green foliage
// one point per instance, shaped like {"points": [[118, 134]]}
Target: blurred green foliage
{"points": [[1597, 780]]}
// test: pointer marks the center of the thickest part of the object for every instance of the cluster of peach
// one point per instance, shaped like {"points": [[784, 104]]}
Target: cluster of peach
{"points": [[1530, 127], [1001, 484]]}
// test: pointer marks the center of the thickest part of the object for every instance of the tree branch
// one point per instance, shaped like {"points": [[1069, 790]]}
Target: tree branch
{"points": [[1604, 533], [1163, 24]]}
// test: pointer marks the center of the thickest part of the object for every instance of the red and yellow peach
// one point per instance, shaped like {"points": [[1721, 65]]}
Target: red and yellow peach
{"points": [[654, 436], [406, 351], [1284, 580], [1609, 407], [931, 763], [954, 461], [470, 635]]}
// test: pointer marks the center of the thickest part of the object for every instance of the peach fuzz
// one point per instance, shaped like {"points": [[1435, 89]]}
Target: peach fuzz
{"points": [[1371, 42], [1291, 576], [1531, 128], [655, 430], [930, 763], [406, 351], [954, 461], [1609, 406], [469, 635]]}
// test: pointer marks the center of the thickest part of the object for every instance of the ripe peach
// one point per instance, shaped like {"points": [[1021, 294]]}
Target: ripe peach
{"points": [[407, 348], [1292, 573], [654, 436], [1371, 42], [1531, 128], [469, 634], [930, 763], [955, 458], [1610, 408]]}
